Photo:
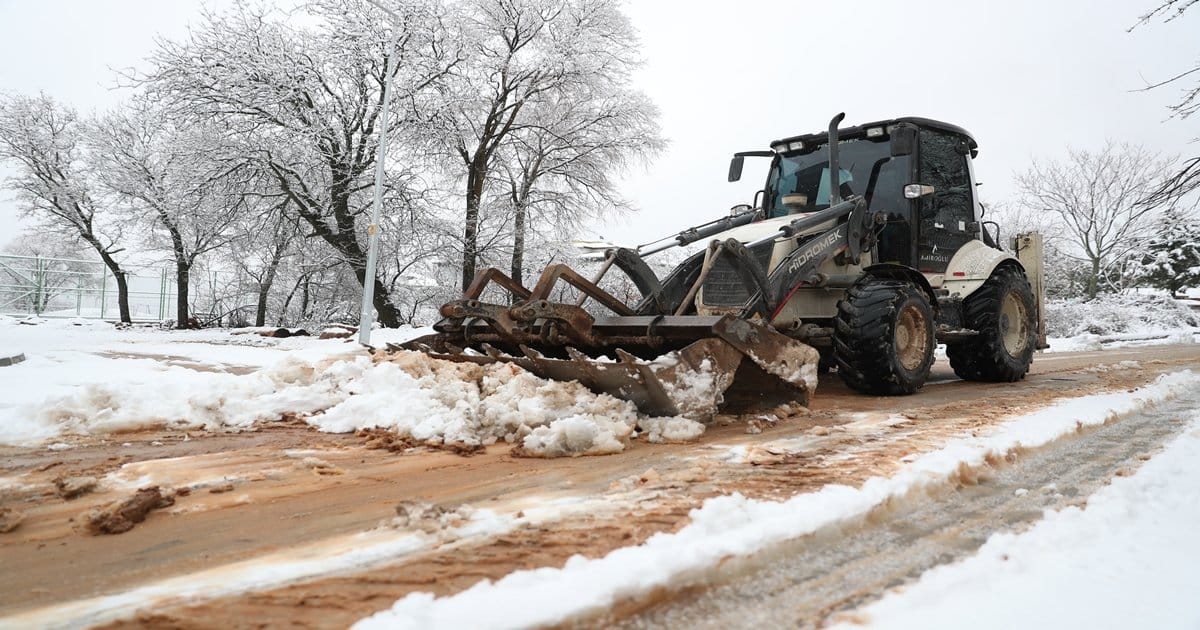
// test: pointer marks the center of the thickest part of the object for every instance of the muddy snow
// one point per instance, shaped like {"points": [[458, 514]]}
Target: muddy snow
{"points": [[416, 398]]}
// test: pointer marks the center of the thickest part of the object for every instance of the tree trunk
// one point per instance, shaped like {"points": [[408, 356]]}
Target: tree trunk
{"points": [[345, 242], [1093, 286], [304, 299], [264, 287], [518, 254], [122, 282], [123, 295], [182, 275], [303, 280], [389, 315], [260, 313], [475, 180]]}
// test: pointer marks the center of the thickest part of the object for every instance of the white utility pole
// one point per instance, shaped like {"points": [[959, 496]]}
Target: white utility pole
{"points": [[368, 298]]}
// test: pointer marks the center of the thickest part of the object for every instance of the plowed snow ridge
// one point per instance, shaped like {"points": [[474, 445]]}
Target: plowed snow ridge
{"points": [[736, 526], [427, 400]]}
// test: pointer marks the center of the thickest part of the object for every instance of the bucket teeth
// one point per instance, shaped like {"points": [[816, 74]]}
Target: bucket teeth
{"points": [[531, 353], [732, 365], [627, 358]]}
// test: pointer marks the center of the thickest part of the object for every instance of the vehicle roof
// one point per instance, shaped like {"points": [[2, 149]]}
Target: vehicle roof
{"points": [[849, 132]]}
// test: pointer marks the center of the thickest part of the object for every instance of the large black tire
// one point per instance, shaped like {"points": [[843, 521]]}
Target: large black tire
{"points": [[1004, 313], [883, 337]]}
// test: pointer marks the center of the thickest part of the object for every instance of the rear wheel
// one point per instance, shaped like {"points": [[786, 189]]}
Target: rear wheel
{"points": [[1003, 312], [883, 337]]}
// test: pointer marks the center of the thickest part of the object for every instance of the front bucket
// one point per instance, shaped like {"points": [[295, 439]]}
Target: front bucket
{"points": [[692, 381]]}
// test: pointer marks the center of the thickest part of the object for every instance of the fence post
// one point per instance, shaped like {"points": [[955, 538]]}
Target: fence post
{"points": [[162, 293], [78, 294], [103, 293], [37, 285]]}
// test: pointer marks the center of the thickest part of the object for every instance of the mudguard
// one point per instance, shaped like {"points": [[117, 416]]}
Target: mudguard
{"points": [[971, 266]]}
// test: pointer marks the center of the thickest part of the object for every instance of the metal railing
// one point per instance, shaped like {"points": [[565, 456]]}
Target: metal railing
{"points": [[66, 287]]}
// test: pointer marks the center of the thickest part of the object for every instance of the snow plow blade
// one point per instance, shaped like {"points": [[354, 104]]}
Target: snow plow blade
{"points": [[688, 365]]}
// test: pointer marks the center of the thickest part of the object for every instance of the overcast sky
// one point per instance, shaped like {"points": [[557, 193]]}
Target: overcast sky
{"points": [[1026, 77]]}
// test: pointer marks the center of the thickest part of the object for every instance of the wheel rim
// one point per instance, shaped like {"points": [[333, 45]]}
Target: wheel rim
{"points": [[911, 337], [1014, 324]]}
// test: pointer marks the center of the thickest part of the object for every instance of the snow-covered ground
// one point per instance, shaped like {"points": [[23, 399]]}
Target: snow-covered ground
{"points": [[85, 377], [1120, 320], [1127, 560], [734, 525]]}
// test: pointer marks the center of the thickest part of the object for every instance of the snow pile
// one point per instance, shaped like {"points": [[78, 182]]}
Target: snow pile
{"points": [[676, 429], [182, 398], [437, 401], [410, 394], [1125, 561], [1114, 313], [735, 526], [695, 391]]}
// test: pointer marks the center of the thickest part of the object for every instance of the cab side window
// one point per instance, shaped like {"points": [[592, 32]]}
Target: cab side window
{"points": [[944, 215]]}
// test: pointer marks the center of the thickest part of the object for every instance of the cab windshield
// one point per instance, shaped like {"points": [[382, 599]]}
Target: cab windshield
{"points": [[799, 183]]}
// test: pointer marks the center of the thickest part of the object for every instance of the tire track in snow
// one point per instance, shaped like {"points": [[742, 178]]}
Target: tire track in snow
{"points": [[803, 582]]}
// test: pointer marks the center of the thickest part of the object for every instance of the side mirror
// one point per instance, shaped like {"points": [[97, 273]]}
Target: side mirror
{"points": [[903, 140], [740, 208], [916, 191], [735, 167]]}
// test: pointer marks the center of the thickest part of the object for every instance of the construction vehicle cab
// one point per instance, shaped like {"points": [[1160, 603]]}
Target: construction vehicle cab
{"points": [[868, 248]]}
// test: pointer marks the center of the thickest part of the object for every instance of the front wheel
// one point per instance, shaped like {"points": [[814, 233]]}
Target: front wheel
{"points": [[883, 337], [1003, 312]]}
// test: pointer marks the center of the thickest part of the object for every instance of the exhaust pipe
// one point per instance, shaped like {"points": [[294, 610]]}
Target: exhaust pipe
{"points": [[835, 171]]}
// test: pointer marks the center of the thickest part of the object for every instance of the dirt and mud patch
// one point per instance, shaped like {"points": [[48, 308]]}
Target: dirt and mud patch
{"points": [[119, 517], [383, 439], [10, 519], [836, 441]]}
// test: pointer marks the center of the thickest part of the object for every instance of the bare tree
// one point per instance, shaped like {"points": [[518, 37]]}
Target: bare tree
{"points": [[304, 96], [54, 184], [170, 177], [1187, 178], [1105, 200], [519, 52], [267, 235], [559, 170]]}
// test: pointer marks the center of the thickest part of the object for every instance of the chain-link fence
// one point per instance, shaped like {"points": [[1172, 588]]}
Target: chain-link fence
{"points": [[64, 287]]}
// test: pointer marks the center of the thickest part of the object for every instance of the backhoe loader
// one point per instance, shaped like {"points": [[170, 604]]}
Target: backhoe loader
{"points": [[865, 248]]}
